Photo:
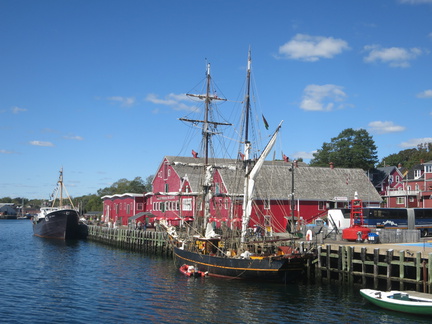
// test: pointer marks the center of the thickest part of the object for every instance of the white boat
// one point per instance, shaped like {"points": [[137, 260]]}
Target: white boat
{"points": [[400, 301]]}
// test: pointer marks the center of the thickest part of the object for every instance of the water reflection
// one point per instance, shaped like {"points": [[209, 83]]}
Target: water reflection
{"points": [[49, 281]]}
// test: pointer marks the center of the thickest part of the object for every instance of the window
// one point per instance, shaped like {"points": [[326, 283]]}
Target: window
{"points": [[140, 206], [217, 188], [187, 204], [128, 209], [397, 179], [226, 203], [166, 187], [400, 200], [417, 174], [428, 168], [266, 203], [321, 205], [165, 170]]}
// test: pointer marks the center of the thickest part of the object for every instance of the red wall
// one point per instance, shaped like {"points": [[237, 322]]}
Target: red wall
{"points": [[119, 209]]}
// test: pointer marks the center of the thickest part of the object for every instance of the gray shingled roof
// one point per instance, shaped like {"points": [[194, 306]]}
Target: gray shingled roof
{"points": [[275, 179]]}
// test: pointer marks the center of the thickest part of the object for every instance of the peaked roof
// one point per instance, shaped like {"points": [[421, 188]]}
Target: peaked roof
{"points": [[275, 179], [380, 174], [411, 172]]}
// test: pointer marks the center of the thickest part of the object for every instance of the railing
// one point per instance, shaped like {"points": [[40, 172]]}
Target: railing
{"points": [[401, 193]]}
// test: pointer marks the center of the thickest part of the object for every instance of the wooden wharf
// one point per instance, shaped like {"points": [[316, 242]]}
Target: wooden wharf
{"points": [[392, 266], [154, 242]]}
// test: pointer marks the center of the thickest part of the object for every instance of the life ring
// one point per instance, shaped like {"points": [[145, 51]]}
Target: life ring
{"points": [[309, 235]]}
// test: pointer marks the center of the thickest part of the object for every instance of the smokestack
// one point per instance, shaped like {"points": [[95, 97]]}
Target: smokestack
{"points": [[331, 165]]}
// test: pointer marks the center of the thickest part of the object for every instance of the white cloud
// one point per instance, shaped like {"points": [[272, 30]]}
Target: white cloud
{"points": [[124, 101], [17, 110], [175, 101], [304, 155], [414, 142], [322, 97], [393, 56], [312, 48], [425, 94], [6, 152], [41, 143], [77, 138], [384, 127]]}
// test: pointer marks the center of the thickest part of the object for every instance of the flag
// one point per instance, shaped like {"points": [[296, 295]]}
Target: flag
{"points": [[241, 155], [194, 154], [265, 122], [285, 158]]}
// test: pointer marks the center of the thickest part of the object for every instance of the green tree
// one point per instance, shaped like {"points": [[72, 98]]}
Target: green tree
{"points": [[350, 149], [409, 157], [137, 185], [89, 203]]}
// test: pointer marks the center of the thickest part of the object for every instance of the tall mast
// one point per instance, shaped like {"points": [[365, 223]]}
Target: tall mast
{"points": [[248, 77], [206, 133], [247, 149], [251, 171], [208, 98], [61, 187]]}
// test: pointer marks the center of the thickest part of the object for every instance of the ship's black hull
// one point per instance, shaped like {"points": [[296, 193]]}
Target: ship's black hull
{"points": [[61, 224], [281, 269]]}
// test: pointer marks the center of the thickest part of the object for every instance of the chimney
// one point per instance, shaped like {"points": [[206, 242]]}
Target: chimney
{"points": [[331, 165], [399, 165], [295, 163]]}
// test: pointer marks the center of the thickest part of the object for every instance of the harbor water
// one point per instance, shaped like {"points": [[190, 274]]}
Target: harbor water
{"points": [[50, 281]]}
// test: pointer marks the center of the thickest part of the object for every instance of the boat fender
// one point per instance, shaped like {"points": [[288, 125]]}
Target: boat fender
{"points": [[309, 235]]}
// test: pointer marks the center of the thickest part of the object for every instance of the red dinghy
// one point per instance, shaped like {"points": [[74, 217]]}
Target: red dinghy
{"points": [[190, 271]]}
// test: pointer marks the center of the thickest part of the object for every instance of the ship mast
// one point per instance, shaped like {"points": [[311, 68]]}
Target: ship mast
{"points": [[251, 171], [61, 186], [207, 134]]}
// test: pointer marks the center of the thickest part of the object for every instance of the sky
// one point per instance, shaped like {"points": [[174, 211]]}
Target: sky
{"points": [[96, 87]]}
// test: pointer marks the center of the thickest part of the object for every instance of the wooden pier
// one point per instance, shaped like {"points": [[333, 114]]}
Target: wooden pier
{"points": [[394, 269], [138, 240], [387, 266]]}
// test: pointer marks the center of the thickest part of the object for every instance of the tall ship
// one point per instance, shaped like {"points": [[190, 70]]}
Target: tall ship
{"points": [[237, 252], [59, 220]]}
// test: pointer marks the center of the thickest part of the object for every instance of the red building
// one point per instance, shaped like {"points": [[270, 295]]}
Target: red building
{"points": [[177, 192], [413, 191], [121, 209]]}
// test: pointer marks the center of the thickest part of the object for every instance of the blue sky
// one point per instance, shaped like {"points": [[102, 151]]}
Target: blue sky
{"points": [[97, 87]]}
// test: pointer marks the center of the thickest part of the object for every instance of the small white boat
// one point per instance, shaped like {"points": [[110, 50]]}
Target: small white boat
{"points": [[407, 302]]}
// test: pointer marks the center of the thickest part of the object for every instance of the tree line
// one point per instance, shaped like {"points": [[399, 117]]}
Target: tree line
{"points": [[357, 149], [91, 202]]}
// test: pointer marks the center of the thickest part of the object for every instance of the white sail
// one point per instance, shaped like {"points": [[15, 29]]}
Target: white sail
{"points": [[249, 184]]}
